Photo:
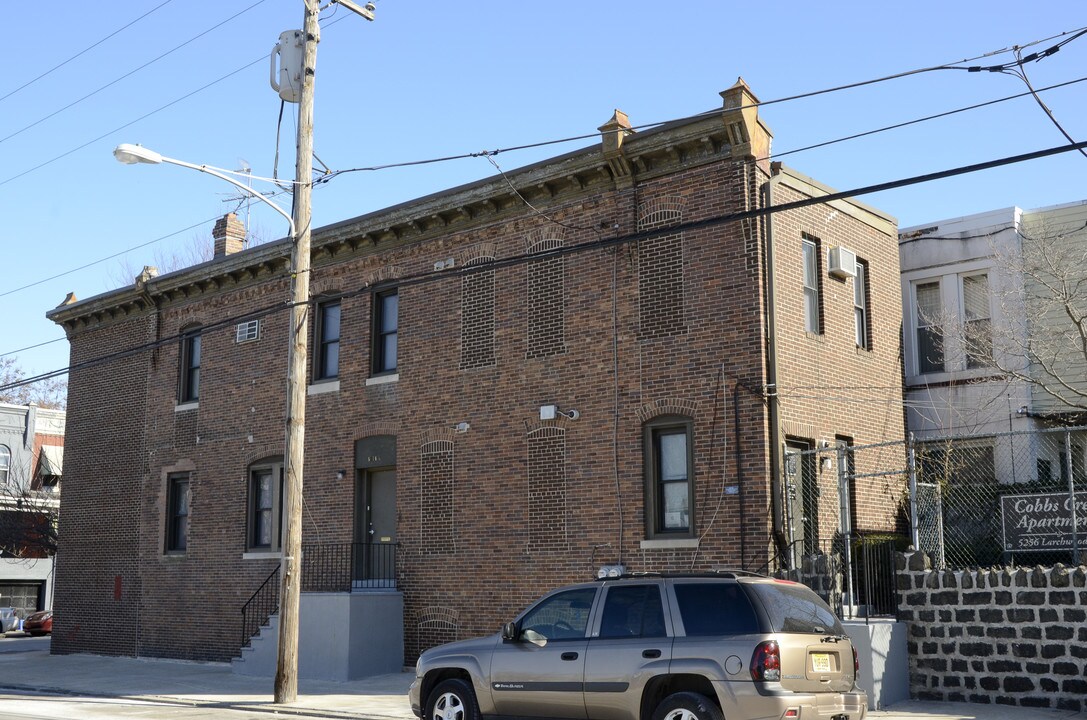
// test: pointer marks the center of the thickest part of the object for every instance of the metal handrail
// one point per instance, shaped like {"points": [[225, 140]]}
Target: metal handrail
{"points": [[260, 606]]}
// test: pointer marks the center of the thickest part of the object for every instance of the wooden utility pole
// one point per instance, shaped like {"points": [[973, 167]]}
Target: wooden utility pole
{"points": [[286, 689]]}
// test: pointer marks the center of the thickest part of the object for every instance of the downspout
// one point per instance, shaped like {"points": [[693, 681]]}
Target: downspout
{"points": [[773, 405]]}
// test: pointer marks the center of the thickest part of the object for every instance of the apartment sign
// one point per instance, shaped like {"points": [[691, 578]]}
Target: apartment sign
{"points": [[1042, 521]]}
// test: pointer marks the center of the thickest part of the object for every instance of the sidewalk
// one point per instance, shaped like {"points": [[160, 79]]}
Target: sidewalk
{"points": [[379, 698]]}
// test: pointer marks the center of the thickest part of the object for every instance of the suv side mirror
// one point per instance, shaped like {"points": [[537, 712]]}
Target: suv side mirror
{"points": [[509, 632]]}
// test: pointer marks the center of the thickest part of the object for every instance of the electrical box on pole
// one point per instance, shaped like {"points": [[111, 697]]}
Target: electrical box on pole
{"points": [[289, 51]]}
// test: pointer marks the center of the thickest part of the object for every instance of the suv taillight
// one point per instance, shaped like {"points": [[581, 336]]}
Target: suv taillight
{"points": [[856, 663], [766, 662]]}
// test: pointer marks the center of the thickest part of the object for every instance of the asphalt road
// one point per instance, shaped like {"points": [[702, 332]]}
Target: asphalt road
{"points": [[20, 642]]}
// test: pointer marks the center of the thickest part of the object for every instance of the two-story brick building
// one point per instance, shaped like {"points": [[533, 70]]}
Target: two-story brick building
{"points": [[503, 397]]}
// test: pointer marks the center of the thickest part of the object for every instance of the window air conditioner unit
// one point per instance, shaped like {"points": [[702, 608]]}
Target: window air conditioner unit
{"points": [[842, 263]]}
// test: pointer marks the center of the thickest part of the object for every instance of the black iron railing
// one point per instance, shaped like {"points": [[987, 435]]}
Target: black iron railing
{"points": [[326, 567], [342, 567], [261, 605], [875, 586]]}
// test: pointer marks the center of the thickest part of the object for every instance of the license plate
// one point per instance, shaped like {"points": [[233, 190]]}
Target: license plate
{"points": [[820, 662]]}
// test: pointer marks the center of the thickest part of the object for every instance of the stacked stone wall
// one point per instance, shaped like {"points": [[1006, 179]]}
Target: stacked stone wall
{"points": [[1010, 636]]}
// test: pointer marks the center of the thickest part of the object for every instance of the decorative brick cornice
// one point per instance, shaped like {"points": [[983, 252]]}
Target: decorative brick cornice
{"points": [[667, 406], [547, 428], [483, 252], [371, 429], [661, 212], [438, 439], [260, 452], [545, 238]]}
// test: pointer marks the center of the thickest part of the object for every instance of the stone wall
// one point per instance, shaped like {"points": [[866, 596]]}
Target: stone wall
{"points": [[1011, 636]]}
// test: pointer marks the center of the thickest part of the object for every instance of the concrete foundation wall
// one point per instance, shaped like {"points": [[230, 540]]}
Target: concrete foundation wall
{"points": [[884, 662], [342, 636]]}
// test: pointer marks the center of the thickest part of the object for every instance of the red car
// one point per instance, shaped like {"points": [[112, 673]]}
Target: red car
{"points": [[39, 623]]}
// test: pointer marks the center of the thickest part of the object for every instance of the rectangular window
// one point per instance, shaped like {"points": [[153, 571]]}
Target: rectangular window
{"points": [[177, 513], [328, 339], [265, 507], [633, 611], [930, 341], [812, 300], [977, 326], [386, 306], [715, 609], [957, 462], [247, 331], [189, 372], [860, 306], [669, 479]]}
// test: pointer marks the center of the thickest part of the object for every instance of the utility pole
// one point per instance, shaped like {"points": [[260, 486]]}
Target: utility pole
{"points": [[286, 687]]}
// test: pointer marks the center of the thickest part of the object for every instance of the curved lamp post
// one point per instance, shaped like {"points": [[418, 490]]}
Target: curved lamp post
{"points": [[132, 154]]}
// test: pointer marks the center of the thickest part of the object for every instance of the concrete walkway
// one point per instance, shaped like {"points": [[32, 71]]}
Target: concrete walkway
{"points": [[380, 698]]}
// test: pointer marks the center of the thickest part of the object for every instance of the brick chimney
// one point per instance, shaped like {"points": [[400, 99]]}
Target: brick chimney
{"points": [[229, 235]]}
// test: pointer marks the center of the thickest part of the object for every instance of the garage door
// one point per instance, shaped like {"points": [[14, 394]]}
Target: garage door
{"points": [[25, 597]]}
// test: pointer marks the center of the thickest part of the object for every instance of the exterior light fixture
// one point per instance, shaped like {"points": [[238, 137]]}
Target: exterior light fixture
{"points": [[341, 474], [550, 412], [462, 427], [129, 154]]}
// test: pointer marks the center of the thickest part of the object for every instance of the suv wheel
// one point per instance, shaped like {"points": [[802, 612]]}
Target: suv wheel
{"points": [[454, 700], [687, 706]]}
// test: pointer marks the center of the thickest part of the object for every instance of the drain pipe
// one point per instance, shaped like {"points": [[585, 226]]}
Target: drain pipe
{"points": [[773, 405]]}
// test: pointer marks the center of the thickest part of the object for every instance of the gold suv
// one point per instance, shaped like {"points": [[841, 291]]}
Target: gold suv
{"points": [[652, 647]]}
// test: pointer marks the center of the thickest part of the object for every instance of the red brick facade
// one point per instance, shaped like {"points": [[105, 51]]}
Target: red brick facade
{"points": [[626, 332]]}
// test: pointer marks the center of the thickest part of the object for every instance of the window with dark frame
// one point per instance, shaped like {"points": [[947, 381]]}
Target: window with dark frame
{"points": [[328, 338], [265, 531], [189, 371], [386, 311], [669, 471], [862, 321], [177, 513], [812, 279]]}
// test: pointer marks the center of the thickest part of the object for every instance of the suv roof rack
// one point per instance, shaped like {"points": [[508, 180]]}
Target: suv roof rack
{"points": [[716, 572]]}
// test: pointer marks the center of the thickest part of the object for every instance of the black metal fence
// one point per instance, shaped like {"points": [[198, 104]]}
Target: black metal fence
{"points": [[335, 567]]}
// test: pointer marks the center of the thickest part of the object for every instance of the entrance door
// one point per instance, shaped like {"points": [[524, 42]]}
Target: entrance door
{"points": [[375, 529], [801, 500]]}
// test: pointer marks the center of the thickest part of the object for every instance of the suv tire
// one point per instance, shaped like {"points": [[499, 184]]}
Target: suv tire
{"points": [[454, 699], [687, 706]]}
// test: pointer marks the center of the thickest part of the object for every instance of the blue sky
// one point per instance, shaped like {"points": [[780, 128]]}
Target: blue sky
{"points": [[431, 79]]}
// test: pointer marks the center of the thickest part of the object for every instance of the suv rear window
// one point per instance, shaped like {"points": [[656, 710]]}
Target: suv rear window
{"points": [[715, 609], [796, 609]]}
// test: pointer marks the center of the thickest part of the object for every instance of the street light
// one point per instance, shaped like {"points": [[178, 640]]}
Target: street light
{"points": [[130, 154]]}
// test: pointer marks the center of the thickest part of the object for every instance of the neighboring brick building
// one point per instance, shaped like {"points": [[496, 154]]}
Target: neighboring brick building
{"points": [[31, 466], [447, 360]]}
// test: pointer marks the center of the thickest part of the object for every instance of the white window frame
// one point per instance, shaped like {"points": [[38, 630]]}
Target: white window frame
{"points": [[809, 260], [860, 307]]}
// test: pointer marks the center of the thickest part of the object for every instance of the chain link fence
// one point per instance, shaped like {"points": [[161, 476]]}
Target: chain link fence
{"points": [[1017, 498]]}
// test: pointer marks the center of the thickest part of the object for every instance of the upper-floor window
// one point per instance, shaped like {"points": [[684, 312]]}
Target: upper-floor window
{"points": [[669, 476], [930, 338], [812, 286], [5, 464], [386, 306], [976, 321], [265, 505], [189, 371], [328, 337], [861, 319], [177, 513]]}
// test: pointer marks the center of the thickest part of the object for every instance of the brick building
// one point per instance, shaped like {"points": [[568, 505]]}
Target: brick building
{"points": [[452, 340]]}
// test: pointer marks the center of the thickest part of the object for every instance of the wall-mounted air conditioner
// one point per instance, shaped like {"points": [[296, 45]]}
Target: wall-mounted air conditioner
{"points": [[841, 263]]}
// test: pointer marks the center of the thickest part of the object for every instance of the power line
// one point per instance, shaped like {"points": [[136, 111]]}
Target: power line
{"points": [[31, 347], [329, 177], [85, 50], [436, 276], [130, 73]]}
